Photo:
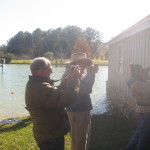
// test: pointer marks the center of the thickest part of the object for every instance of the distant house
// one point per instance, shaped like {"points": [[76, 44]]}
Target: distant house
{"points": [[130, 47]]}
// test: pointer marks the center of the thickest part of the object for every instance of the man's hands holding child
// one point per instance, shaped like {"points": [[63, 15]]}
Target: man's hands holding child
{"points": [[74, 72]]}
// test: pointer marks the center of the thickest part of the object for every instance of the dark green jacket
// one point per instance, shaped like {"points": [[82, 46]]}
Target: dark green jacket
{"points": [[46, 104]]}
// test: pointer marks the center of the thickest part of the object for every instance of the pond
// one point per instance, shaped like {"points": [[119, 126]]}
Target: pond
{"points": [[14, 79]]}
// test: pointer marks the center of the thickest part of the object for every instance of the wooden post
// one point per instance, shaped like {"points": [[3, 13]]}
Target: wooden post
{"points": [[2, 68], [2, 65]]}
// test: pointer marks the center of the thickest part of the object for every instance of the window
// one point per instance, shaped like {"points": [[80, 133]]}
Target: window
{"points": [[120, 59]]}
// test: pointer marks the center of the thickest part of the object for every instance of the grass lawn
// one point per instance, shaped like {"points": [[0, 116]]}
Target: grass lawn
{"points": [[97, 61], [28, 61], [108, 133], [111, 132]]}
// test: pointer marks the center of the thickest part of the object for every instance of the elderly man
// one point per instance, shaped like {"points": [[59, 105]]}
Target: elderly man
{"points": [[79, 111], [46, 103]]}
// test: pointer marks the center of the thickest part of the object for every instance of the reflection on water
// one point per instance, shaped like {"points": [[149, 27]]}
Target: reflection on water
{"points": [[14, 80], [98, 95]]}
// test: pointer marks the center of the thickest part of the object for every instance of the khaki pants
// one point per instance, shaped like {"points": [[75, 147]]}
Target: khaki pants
{"points": [[80, 129]]}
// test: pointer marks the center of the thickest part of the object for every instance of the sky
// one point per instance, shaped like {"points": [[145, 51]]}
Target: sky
{"points": [[110, 17]]}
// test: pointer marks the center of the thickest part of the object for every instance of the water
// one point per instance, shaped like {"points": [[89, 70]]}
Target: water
{"points": [[14, 80]]}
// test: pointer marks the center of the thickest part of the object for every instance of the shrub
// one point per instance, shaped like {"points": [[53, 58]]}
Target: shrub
{"points": [[49, 55], [8, 57]]}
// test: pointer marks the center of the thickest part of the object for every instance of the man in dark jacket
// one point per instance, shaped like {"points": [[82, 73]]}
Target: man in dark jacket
{"points": [[46, 104]]}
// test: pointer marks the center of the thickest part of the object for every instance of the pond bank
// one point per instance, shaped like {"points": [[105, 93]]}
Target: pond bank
{"points": [[58, 61]]}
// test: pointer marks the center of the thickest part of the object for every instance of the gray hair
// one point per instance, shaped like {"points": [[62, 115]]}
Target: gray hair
{"points": [[39, 63]]}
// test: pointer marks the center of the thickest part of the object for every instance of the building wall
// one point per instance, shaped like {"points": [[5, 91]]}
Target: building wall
{"points": [[131, 50]]}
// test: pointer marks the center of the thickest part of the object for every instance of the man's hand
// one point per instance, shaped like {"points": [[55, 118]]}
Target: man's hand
{"points": [[92, 68], [75, 72]]}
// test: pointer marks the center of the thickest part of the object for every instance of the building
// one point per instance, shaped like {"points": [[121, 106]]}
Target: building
{"points": [[130, 47]]}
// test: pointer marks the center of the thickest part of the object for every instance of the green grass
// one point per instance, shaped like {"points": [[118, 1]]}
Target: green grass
{"points": [[97, 61], [108, 133], [28, 61], [101, 62], [14, 61], [18, 136]]}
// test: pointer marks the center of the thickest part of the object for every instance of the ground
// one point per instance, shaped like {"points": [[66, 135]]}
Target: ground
{"points": [[109, 132]]}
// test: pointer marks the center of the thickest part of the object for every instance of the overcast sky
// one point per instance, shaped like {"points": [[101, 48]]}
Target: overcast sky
{"points": [[110, 17]]}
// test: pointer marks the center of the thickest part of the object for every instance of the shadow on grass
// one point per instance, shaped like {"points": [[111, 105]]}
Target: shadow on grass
{"points": [[16, 126], [111, 132]]}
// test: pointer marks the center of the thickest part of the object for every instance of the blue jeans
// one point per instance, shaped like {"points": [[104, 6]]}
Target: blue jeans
{"points": [[56, 144], [141, 138]]}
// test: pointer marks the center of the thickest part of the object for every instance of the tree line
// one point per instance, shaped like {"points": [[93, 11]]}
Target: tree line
{"points": [[61, 42]]}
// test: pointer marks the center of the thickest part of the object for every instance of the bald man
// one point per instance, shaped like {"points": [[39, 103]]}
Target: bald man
{"points": [[46, 104]]}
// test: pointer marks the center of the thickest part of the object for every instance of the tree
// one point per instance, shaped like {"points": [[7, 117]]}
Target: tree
{"points": [[72, 34], [48, 42], [3, 49], [82, 46], [92, 35], [103, 53], [62, 48], [38, 37], [20, 44], [27, 47], [49, 55], [8, 57], [1, 54], [60, 41], [94, 39]]}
